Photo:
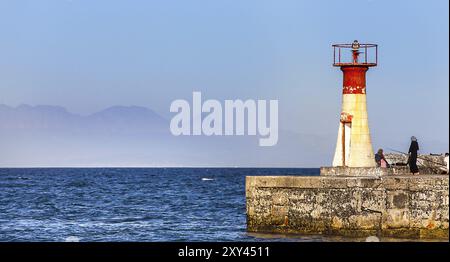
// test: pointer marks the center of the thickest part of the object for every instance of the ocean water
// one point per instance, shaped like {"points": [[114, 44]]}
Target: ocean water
{"points": [[131, 204]]}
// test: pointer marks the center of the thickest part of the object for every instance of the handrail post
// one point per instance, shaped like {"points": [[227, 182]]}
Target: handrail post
{"points": [[365, 53]]}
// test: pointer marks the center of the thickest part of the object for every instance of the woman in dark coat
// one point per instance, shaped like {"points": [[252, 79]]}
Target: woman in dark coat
{"points": [[412, 160]]}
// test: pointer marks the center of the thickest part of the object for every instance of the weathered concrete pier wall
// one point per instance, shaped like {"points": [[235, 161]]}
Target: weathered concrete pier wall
{"points": [[386, 205]]}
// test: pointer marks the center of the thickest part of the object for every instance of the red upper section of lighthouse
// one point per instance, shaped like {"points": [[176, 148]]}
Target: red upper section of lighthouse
{"points": [[354, 79], [355, 54]]}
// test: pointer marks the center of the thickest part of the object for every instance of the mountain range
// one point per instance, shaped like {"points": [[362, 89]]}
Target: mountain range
{"points": [[128, 136]]}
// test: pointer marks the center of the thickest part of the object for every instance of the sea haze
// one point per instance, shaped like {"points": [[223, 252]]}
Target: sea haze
{"points": [[132, 136]]}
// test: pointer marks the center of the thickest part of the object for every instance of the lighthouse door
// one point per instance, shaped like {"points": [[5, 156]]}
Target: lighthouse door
{"points": [[346, 134]]}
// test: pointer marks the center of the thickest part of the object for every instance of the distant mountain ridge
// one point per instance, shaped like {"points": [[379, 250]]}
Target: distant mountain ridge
{"points": [[133, 136], [112, 118]]}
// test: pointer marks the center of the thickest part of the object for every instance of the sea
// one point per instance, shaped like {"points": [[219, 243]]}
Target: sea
{"points": [[132, 204]]}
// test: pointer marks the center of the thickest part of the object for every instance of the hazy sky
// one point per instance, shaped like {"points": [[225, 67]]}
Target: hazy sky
{"points": [[88, 55]]}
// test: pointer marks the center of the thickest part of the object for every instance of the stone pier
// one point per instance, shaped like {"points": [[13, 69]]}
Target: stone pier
{"points": [[345, 202]]}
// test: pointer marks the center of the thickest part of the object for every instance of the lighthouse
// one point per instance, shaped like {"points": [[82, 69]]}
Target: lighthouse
{"points": [[354, 146]]}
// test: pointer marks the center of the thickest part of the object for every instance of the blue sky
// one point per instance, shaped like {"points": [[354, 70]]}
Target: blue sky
{"points": [[88, 55]]}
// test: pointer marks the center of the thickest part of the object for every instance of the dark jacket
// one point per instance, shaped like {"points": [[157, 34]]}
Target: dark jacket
{"points": [[413, 148]]}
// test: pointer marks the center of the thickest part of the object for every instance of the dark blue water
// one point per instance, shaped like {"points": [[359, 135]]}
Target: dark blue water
{"points": [[130, 204]]}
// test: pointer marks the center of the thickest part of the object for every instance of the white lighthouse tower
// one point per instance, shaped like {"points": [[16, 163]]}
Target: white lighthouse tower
{"points": [[354, 146]]}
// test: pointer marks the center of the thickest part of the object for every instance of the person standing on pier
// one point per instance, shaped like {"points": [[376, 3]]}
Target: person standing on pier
{"points": [[412, 159]]}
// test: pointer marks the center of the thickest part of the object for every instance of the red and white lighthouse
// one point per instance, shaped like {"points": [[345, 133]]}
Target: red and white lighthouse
{"points": [[354, 146]]}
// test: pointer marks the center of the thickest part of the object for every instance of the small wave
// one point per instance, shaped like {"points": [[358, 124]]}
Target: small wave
{"points": [[72, 239], [207, 179], [125, 219]]}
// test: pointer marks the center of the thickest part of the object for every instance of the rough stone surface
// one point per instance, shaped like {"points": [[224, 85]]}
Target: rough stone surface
{"points": [[394, 206], [373, 171], [355, 171]]}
